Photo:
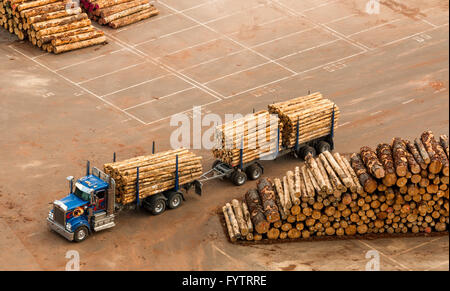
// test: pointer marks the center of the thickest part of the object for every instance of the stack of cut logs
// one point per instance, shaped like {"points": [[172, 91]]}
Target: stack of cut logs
{"points": [[53, 25], [118, 13], [312, 113], [256, 134], [400, 188], [157, 173]]}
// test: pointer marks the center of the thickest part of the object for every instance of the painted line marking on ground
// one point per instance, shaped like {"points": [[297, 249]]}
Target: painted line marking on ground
{"points": [[418, 246], [409, 101], [412, 35], [160, 98], [437, 266], [136, 85], [319, 6], [110, 73], [81, 62], [375, 113], [386, 256], [231, 39], [199, 24], [344, 124], [75, 84]]}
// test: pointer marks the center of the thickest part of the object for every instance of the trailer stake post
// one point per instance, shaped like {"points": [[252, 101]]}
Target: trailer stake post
{"points": [[137, 188]]}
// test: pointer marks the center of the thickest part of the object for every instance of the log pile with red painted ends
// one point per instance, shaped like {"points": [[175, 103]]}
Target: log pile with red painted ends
{"points": [[256, 134], [395, 188], [55, 26], [312, 113], [157, 173], [118, 13]]}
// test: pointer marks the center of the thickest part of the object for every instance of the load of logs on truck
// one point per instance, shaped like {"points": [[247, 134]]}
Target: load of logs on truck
{"points": [[154, 182], [55, 26], [118, 13], [298, 126], [399, 187]]}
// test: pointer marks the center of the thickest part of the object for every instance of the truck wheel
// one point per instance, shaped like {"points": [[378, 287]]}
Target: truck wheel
{"points": [[254, 172], [238, 178], [174, 200], [81, 234], [323, 146], [157, 206], [307, 150]]}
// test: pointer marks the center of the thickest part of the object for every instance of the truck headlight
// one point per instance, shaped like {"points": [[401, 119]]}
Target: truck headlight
{"points": [[68, 226], [50, 215]]}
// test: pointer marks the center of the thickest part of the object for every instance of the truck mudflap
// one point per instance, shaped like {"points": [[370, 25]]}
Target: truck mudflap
{"points": [[198, 186], [60, 230]]}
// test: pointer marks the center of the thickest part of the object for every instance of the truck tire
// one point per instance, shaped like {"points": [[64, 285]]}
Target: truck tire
{"points": [[238, 178], [307, 150], [216, 162], [323, 146], [174, 200], [156, 206], [253, 172], [81, 234]]}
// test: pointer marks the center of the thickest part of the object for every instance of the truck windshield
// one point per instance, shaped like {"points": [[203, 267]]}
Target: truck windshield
{"points": [[81, 194]]}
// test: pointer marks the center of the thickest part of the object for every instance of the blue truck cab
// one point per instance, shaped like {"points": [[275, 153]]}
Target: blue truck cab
{"points": [[89, 207]]}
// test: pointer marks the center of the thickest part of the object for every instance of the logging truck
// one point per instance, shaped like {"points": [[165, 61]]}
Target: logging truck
{"points": [[91, 204]]}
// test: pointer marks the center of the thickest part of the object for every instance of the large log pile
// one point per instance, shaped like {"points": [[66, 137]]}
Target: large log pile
{"points": [[156, 173], [256, 134], [118, 13], [369, 192], [53, 25], [312, 113]]}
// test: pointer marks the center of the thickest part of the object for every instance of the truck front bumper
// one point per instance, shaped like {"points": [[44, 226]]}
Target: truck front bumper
{"points": [[59, 229]]}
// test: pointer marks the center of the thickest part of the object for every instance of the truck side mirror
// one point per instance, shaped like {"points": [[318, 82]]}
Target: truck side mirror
{"points": [[70, 179]]}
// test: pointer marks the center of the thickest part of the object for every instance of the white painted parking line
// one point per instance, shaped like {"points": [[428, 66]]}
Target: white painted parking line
{"points": [[388, 257], [344, 124], [79, 86], [412, 35], [409, 101], [323, 26], [340, 19], [319, 6], [182, 112], [135, 85], [198, 24], [215, 39], [160, 98], [375, 113], [169, 69], [232, 40], [110, 73], [81, 62], [36, 57], [374, 27]]}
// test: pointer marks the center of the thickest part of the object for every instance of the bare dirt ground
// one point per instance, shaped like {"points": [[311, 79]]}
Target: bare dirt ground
{"points": [[388, 72]]}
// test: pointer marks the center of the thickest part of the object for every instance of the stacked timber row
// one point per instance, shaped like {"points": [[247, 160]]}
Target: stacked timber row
{"points": [[53, 25], [157, 173], [118, 13], [312, 113], [256, 134], [397, 188]]}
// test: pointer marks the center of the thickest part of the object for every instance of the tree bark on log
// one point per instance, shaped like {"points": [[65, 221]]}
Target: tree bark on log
{"points": [[330, 189], [399, 155], [239, 217], [372, 163], [260, 224], [384, 153], [80, 44], [77, 38], [291, 186], [340, 160], [443, 140], [233, 220], [133, 18], [231, 234], [334, 179], [314, 168], [428, 141], [287, 196], [416, 154], [308, 184], [267, 195], [369, 184], [247, 216], [337, 169]]}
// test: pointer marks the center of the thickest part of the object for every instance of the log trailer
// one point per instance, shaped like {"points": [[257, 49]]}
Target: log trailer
{"points": [[92, 206], [239, 174]]}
